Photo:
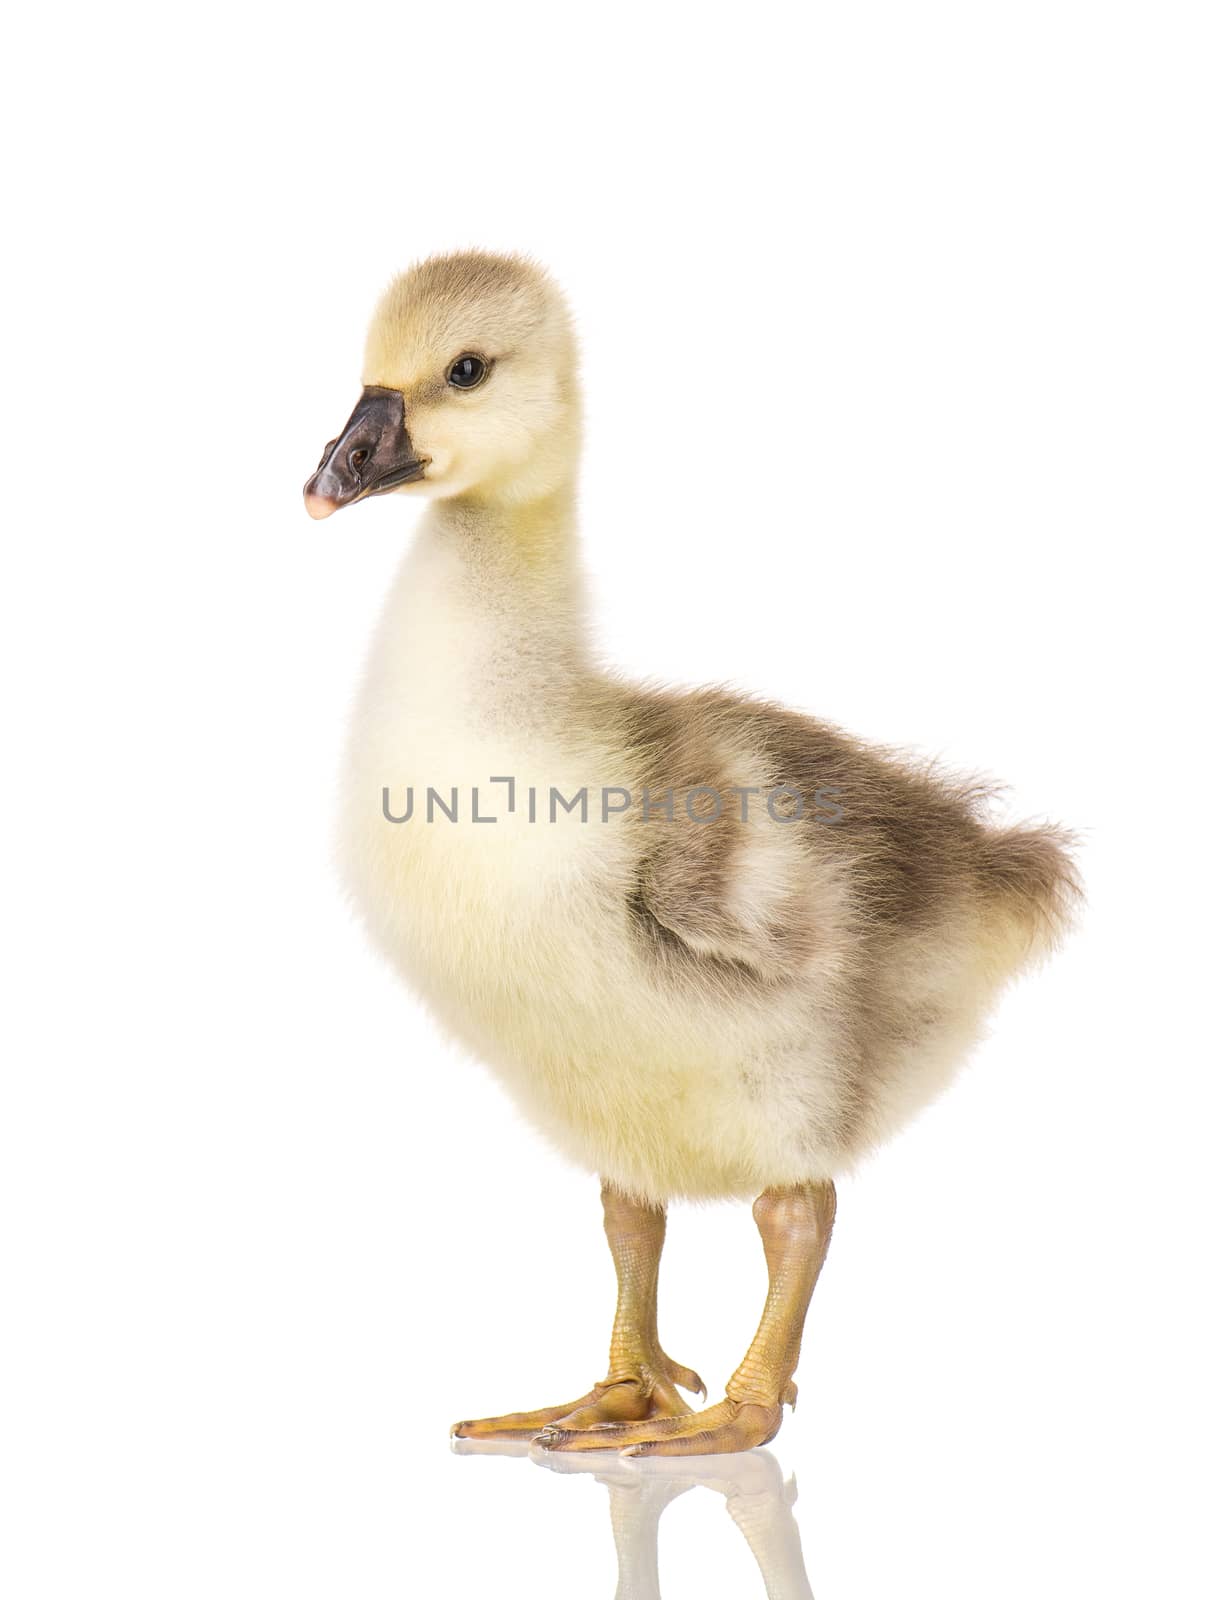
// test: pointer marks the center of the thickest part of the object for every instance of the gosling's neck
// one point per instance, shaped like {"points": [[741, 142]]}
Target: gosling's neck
{"points": [[512, 566]]}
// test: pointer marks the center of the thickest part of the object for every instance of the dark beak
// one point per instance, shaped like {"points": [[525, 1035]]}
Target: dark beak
{"points": [[372, 455]]}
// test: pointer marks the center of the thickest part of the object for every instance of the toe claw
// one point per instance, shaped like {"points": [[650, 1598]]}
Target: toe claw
{"points": [[688, 1379]]}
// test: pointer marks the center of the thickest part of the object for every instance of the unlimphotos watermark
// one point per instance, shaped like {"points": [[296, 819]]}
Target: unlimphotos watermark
{"points": [[702, 803]]}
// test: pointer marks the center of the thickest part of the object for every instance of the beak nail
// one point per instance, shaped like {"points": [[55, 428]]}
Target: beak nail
{"points": [[319, 506]]}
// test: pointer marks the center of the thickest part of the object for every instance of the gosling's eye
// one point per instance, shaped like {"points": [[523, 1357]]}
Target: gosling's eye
{"points": [[467, 372]]}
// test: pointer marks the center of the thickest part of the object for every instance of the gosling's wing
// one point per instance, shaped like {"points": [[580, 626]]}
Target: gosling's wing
{"points": [[733, 890], [725, 874], [842, 842]]}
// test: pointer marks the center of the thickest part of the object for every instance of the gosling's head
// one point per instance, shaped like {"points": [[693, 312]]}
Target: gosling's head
{"points": [[469, 388]]}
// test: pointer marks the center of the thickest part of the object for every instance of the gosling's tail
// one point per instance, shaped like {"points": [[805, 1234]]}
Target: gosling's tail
{"points": [[1030, 873]]}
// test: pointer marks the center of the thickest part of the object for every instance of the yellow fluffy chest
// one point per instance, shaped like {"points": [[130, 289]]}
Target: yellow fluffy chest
{"points": [[465, 869], [474, 899]]}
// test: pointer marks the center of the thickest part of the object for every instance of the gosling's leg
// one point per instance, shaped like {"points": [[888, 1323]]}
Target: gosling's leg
{"points": [[795, 1225], [642, 1381]]}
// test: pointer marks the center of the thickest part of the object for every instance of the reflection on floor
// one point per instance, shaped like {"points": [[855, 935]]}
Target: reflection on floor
{"points": [[758, 1502]]}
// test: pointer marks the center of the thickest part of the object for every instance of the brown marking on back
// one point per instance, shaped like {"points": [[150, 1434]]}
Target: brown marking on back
{"points": [[914, 844]]}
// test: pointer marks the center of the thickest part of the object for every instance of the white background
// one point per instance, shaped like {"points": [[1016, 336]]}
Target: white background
{"points": [[899, 339]]}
